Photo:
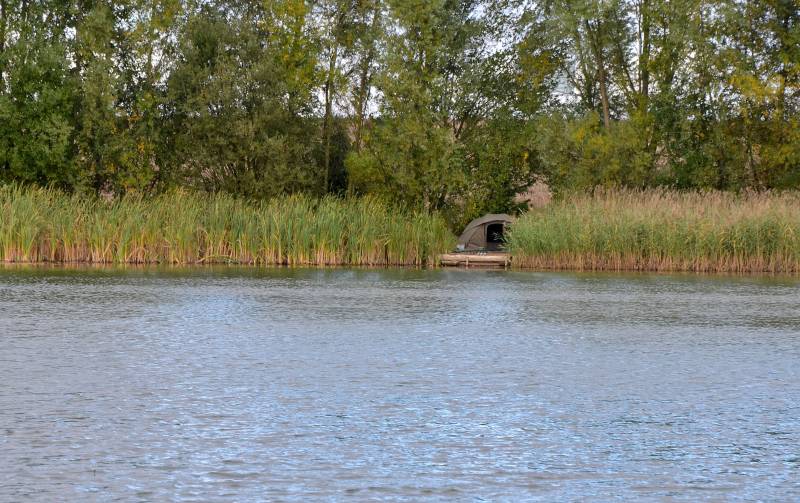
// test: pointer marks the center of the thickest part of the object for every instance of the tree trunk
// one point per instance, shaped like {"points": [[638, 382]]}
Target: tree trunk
{"points": [[644, 56], [328, 125], [601, 72], [585, 87], [604, 96], [364, 80], [784, 71], [3, 25], [360, 103]]}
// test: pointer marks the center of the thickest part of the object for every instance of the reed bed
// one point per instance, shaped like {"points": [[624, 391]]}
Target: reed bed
{"points": [[46, 225], [660, 230]]}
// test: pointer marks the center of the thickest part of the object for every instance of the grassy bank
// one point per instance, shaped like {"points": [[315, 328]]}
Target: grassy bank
{"points": [[662, 231], [44, 225]]}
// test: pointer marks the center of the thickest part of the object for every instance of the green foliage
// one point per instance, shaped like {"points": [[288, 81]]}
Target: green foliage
{"points": [[225, 100], [447, 136], [37, 96], [581, 153], [700, 94], [411, 155]]}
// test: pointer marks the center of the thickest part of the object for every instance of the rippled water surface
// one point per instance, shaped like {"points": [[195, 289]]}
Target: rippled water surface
{"points": [[248, 385]]}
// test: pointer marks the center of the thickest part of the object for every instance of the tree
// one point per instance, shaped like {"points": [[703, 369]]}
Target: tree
{"points": [[37, 94], [445, 85], [236, 100]]}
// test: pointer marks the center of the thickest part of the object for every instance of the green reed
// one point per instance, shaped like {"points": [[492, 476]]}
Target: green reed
{"points": [[40, 224], [662, 230]]}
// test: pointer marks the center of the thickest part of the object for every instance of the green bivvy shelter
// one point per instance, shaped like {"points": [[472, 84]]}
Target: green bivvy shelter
{"points": [[484, 233]]}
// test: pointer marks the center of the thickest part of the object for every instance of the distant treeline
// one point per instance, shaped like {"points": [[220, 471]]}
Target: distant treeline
{"points": [[449, 105]]}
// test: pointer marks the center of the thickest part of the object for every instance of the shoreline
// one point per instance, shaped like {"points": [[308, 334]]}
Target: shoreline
{"points": [[399, 267], [612, 231], [46, 225]]}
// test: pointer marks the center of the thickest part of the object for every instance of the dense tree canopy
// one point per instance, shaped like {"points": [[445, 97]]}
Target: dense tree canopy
{"points": [[454, 105]]}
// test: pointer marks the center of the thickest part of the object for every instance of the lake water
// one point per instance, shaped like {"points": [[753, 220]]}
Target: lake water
{"points": [[306, 384]]}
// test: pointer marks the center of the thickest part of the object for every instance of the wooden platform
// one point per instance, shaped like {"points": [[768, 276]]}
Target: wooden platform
{"points": [[488, 259]]}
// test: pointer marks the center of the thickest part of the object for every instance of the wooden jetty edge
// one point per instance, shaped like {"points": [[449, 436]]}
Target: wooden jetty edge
{"points": [[490, 259]]}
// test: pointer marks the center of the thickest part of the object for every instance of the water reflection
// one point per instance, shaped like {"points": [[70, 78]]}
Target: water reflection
{"points": [[298, 384]]}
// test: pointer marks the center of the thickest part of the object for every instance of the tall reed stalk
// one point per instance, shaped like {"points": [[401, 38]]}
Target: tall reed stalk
{"points": [[660, 230], [38, 224]]}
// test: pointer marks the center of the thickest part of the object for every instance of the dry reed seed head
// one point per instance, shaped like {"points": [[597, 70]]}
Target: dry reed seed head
{"points": [[662, 230]]}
